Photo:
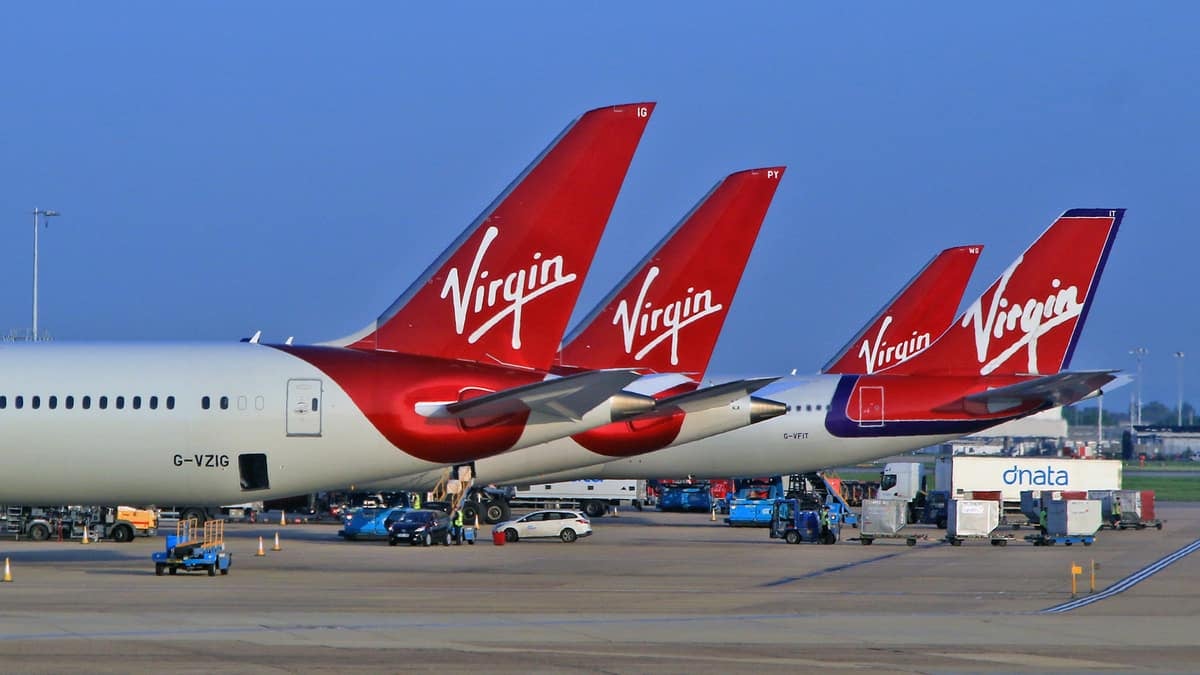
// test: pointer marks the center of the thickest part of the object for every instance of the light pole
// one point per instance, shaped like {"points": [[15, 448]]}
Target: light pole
{"points": [[1138, 353], [1179, 412], [48, 213]]}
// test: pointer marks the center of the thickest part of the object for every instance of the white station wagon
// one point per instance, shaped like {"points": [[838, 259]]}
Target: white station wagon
{"points": [[566, 525]]}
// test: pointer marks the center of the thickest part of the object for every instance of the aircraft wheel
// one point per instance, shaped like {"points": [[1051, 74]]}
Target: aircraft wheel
{"points": [[495, 511]]}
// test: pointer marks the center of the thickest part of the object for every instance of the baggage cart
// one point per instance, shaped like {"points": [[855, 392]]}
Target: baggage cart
{"points": [[885, 519], [1137, 510], [974, 519], [1064, 539], [194, 549]]}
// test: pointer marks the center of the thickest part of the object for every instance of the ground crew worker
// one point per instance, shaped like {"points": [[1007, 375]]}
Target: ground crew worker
{"points": [[1042, 520], [458, 526], [416, 500], [824, 521], [1115, 517]]}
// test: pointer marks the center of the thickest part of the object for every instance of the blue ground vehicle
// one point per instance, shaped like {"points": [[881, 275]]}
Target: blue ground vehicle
{"points": [[793, 522], [370, 523], [751, 505], [686, 498], [194, 549]]}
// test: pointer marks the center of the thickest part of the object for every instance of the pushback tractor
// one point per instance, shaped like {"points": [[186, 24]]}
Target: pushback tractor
{"points": [[194, 548], [792, 522]]}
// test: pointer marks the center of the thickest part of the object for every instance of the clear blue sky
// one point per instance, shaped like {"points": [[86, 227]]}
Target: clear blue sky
{"points": [[291, 167]]}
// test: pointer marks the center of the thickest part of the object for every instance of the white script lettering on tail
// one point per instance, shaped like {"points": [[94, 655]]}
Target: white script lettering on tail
{"points": [[1028, 320], [645, 320], [879, 354], [496, 297]]}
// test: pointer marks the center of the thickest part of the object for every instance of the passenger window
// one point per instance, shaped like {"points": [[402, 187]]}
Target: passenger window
{"points": [[259, 403], [19, 402], [241, 403], [170, 403], [808, 408], [154, 403], [315, 404], [87, 402], [137, 402], [204, 403], [53, 402], [35, 402], [103, 403], [3, 402], [70, 402], [120, 403], [224, 403]]}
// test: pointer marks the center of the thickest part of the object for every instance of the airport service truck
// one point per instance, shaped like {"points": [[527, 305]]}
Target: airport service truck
{"points": [[1012, 475], [593, 497], [118, 523]]}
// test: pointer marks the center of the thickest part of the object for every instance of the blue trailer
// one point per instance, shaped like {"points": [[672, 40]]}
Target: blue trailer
{"points": [[694, 497], [194, 548]]}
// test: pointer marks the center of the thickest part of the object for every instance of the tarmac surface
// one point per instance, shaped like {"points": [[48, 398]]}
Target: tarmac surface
{"points": [[661, 592]]}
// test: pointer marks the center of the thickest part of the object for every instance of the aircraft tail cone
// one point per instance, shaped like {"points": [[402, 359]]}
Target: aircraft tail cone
{"points": [[276, 547], [261, 552], [7, 572]]}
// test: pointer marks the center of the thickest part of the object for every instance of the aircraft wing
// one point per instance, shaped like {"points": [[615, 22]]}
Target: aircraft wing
{"points": [[561, 398], [1050, 391], [712, 397]]}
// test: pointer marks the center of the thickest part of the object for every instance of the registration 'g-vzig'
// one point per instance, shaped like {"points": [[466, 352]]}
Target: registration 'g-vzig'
{"points": [[455, 369]]}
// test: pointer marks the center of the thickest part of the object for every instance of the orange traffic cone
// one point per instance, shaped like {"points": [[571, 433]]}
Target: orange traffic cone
{"points": [[276, 547], [261, 552], [283, 518], [7, 571], [85, 537]]}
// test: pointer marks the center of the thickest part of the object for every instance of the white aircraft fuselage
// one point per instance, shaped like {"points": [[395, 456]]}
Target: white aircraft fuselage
{"points": [[195, 423]]}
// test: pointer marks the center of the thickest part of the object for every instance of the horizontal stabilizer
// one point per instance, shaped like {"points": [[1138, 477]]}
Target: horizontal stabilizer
{"points": [[1048, 391], [562, 398], [714, 396]]}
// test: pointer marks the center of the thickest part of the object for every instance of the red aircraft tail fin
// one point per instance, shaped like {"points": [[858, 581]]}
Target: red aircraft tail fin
{"points": [[913, 318], [1029, 320], [667, 314], [504, 291]]}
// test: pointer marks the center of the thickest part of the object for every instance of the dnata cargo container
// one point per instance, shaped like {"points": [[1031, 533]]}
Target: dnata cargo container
{"points": [[1012, 475], [1073, 517], [972, 518], [883, 516]]}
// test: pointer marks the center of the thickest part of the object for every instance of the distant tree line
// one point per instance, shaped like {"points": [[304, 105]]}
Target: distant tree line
{"points": [[1154, 413]]}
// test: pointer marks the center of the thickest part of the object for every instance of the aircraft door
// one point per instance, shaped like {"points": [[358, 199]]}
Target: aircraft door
{"points": [[870, 407], [304, 408]]}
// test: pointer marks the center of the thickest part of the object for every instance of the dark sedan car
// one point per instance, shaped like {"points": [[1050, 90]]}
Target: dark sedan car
{"points": [[422, 526]]}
